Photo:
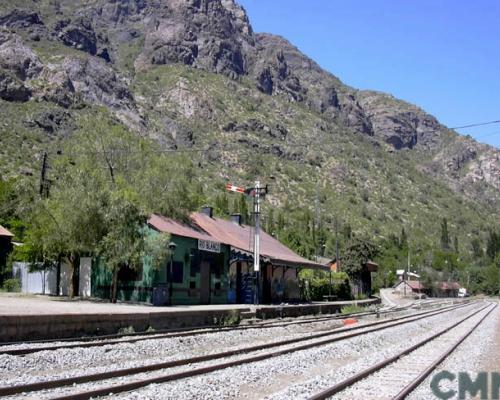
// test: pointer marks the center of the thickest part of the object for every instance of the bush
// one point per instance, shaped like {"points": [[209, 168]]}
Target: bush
{"points": [[12, 285], [352, 309], [126, 330], [318, 285]]}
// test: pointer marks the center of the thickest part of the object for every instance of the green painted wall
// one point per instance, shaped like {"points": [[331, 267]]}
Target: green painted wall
{"points": [[139, 287]]}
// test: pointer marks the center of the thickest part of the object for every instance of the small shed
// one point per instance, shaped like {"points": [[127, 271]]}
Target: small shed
{"points": [[362, 282], [5, 247], [447, 289], [409, 288]]}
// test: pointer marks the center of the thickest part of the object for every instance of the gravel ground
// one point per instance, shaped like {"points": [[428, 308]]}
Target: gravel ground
{"points": [[386, 383], [259, 379], [64, 363], [479, 352], [70, 362], [30, 304]]}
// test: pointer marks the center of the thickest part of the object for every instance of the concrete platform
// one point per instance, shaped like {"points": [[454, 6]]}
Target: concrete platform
{"points": [[28, 317]]}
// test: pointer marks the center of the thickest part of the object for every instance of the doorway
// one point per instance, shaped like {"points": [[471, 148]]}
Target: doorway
{"points": [[204, 282]]}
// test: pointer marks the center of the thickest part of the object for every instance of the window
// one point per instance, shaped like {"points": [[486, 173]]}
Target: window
{"points": [[130, 273], [216, 265], [177, 272], [195, 263]]}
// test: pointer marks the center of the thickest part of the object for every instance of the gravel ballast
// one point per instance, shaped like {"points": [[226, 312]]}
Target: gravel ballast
{"points": [[255, 380]]}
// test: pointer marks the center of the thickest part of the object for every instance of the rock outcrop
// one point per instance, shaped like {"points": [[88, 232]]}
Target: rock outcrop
{"points": [[212, 35], [107, 44]]}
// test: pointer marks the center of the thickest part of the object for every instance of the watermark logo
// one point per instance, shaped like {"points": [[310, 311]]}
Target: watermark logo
{"points": [[447, 385]]}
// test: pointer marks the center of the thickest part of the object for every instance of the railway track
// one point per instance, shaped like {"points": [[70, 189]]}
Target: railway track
{"points": [[277, 349], [104, 340], [408, 368]]}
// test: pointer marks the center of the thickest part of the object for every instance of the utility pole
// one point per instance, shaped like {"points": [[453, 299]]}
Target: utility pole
{"points": [[408, 268], [43, 176], [337, 254], [256, 247], [258, 193], [316, 224]]}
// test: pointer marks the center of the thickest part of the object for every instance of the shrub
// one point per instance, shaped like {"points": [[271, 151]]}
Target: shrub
{"points": [[126, 330], [12, 285], [352, 308], [319, 285]]}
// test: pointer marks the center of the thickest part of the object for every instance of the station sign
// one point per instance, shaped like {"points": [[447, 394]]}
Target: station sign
{"points": [[207, 245]]}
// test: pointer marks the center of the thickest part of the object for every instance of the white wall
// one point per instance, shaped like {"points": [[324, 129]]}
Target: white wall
{"points": [[65, 279], [34, 282], [85, 272]]}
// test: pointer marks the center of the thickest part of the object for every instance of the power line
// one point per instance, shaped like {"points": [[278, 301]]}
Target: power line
{"points": [[474, 125], [487, 135], [229, 146], [205, 149]]}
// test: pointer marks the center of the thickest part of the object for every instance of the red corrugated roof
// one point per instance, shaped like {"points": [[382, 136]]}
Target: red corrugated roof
{"points": [[414, 285], [5, 232], [168, 225], [241, 237], [237, 236], [449, 285]]}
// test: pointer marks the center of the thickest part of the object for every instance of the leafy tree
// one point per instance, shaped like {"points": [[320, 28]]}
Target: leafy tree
{"points": [[222, 204], [403, 240], [270, 221], [347, 232], [105, 184], [281, 223], [357, 252], [491, 283], [243, 209], [493, 244], [445, 238], [477, 250], [123, 243]]}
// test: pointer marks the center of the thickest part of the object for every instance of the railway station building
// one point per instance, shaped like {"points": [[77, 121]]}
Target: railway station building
{"points": [[5, 245], [211, 263]]}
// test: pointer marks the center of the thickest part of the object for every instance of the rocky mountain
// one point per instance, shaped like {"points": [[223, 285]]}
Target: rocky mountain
{"points": [[194, 73]]}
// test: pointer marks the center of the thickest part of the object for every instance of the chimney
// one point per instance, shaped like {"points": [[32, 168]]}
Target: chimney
{"points": [[236, 219], [207, 210]]}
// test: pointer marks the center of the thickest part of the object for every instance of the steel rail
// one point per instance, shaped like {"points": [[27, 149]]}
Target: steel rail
{"points": [[213, 328], [424, 374], [198, 328], [99, 341], [367, 328], [369, 371]]}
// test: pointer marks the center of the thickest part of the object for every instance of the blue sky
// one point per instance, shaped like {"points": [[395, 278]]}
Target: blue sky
{"points": [[442, 55]]}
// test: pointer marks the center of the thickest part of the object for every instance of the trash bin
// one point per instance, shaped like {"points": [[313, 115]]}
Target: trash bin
{"points": [[160, 296]]}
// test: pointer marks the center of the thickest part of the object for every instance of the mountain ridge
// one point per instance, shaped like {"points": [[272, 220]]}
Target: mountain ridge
{"points": [[194, 73]]}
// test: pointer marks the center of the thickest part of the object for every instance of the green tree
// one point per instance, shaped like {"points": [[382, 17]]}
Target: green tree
{"points": [[357, 252], [445, 238], [403, 240], [243, 209], [493, 244], [122, 245], [270, 227], [477, 250], [105, 184], [222, 204], [281, 223]]}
